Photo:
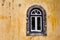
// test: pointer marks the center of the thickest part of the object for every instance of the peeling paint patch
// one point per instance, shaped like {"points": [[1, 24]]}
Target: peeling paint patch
{"points": [[19, 5], [12, 7], [9, 24], [18, 29], [3, 2], [12, 0]]}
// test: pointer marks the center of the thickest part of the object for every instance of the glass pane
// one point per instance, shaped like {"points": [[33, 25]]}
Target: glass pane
{"points": [[38, 12], [38, 23], [33, 12], [33, 23]]}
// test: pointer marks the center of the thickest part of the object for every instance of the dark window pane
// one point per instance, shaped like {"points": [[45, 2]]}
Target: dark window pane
{"points": [[38, 12], [33, 23], [33, 12], [38, 23]]}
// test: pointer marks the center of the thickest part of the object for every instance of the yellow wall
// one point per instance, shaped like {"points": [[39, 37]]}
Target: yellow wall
{"points": [[13, 19]]}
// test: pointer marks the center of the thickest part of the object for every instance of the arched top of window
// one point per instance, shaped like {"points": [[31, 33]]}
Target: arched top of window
{"points": [[36, 10]]}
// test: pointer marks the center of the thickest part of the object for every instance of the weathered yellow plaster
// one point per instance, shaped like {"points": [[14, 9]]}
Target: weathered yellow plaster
{"points": [[14, 27], [53, 22], [3, 17]]}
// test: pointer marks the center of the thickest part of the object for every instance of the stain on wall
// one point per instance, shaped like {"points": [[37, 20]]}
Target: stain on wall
{"points": [[3, 1]]}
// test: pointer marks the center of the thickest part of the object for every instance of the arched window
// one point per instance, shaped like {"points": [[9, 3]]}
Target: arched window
{"points": [[36, 20]]}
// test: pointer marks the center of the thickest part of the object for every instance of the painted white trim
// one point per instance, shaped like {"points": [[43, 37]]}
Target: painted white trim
{"points": [[35, 23]]}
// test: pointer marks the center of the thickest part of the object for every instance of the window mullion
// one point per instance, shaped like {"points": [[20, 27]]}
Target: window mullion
{"points": [[36, 23]]}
